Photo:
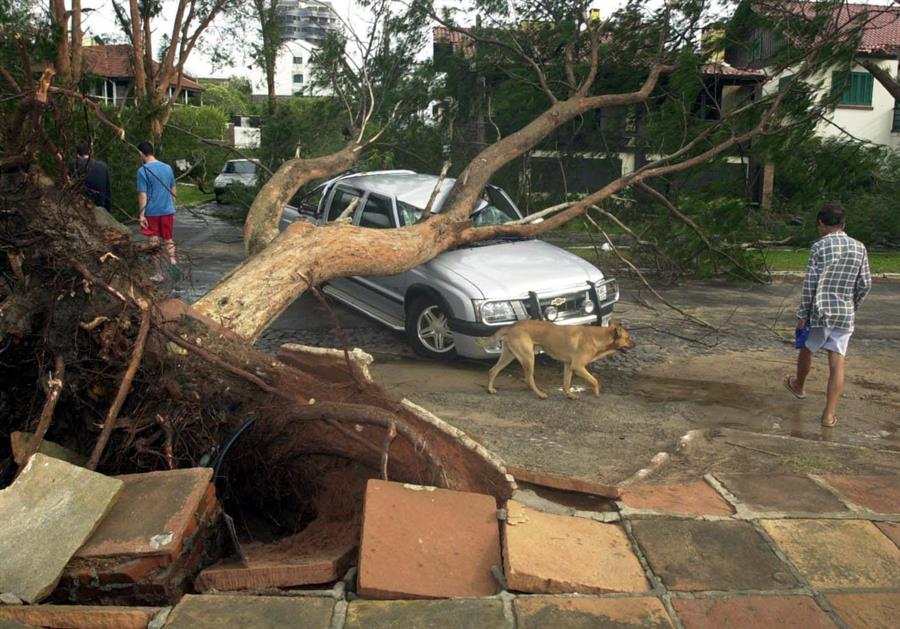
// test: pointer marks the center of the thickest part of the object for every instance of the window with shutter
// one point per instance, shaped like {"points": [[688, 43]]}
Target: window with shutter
{"points": [[855, 88]]}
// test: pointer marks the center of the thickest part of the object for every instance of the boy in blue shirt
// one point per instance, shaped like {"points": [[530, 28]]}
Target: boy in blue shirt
{"points": [[156, 200]]}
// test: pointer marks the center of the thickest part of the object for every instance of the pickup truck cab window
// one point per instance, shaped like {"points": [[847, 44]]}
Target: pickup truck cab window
{"points": [[377, 213], [341, 200]]}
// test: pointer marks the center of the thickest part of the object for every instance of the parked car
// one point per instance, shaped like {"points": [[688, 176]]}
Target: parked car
{"points": [[236, 172], [448, 305]]}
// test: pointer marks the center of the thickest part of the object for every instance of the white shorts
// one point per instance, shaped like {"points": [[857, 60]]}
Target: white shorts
{"points": [[831, 339]]}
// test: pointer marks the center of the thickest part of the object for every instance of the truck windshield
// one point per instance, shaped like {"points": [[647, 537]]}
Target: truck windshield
{"points": [[240, 168]]}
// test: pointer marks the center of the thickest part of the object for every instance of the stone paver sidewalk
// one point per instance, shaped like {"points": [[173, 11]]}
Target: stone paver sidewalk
{"points": [[738, 551]]}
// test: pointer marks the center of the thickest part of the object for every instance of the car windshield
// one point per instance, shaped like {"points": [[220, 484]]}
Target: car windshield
{"points": [[243, 167], [485, 214], [491, 215]]}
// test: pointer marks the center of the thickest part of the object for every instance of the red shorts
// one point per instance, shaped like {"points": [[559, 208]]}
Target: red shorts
{"points": [[160, 226]]}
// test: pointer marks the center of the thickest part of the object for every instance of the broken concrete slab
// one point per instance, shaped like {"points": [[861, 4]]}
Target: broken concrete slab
{"points": [[554, 554], [565, 483], [81, 616], [692, 555], [425, 542], [695, 498], [48, 513], [163, 530], [460, 613], [762, 612], [321, 553], [588, 613], [870, 611], [880, 494], [21, 443], [781, 493], [838, 553], [891, 529], [217, 611]]}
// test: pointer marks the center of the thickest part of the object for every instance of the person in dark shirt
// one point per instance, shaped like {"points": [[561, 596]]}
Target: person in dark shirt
{"points": [[93, 176]]}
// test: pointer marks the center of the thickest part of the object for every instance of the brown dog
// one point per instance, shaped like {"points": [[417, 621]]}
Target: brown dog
{"points": [[573, 345]]}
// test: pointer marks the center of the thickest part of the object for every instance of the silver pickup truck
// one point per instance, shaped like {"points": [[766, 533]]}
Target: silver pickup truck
{"points": [[448, 305]]}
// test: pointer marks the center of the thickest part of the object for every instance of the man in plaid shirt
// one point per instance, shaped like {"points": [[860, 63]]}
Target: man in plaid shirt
{"points": [[837, 279]]}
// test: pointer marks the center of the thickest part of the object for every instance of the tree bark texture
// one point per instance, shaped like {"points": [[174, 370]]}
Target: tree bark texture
{"points": [[261, 226]]}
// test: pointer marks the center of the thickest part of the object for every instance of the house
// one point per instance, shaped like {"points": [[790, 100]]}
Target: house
{"points": [[864, 109], [109, 74]]}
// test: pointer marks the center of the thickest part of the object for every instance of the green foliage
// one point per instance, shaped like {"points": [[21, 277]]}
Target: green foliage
{"points": [[727, 221], [302, 126], [231, 98], [863, 178]]}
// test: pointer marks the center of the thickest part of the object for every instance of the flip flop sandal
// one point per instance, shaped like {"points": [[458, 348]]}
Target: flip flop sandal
{"points": [[832, 424], [786, 381]]}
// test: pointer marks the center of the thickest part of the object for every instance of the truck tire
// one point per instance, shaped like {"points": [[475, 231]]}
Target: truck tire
{"points": [[428, 330]]}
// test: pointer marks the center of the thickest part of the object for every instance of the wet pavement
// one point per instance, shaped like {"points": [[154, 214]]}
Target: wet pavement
{"points": [[681, 380]]}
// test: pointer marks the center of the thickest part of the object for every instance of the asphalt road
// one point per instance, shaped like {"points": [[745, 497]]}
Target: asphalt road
{"points": [[681, 378]]}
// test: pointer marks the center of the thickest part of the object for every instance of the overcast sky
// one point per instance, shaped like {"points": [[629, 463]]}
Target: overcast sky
{"points": [[99, 19]]}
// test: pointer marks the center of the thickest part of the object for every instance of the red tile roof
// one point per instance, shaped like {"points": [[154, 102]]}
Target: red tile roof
{"points": [[881, 32], [114, 62]]}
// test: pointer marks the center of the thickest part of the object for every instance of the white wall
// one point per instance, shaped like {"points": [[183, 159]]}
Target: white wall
{"points": [[868, 124], [285, 69]]}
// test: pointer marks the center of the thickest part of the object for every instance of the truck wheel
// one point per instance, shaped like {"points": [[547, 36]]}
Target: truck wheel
{"points": [[428, 329]]}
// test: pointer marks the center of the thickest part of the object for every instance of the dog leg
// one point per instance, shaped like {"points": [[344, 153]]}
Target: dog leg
{"points": [[584, 373], [506, 357], [567, 381], [528, 366]]}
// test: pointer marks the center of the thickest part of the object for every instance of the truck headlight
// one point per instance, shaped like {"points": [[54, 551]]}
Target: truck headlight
{"points": [[497, 311], [588, 306], [601, 293]]}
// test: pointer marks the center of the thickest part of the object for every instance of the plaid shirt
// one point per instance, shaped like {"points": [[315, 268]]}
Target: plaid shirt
{"points": [[837, 279]]}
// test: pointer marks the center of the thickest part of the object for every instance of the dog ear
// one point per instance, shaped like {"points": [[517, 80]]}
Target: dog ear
{"points": [[618, 331]]}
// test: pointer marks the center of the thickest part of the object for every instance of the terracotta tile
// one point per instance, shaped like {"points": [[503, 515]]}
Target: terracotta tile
{"points": [[880, 494], [891, 529], [427, 542], [153, 514], [781, 493], [444, 614], [565, 483], [868, 611], [47, 513], [692, 555], [589, 613], [752, 612], [696, 498], [554, 554], [79, 616], [142, 574], [220, 611], [838, 553]]}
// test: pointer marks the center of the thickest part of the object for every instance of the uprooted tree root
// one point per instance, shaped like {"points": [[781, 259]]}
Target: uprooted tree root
{"points": [[173, 390]]}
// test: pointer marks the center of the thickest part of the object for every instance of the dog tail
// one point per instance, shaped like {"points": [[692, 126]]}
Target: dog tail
{"points": [[499, 334]]}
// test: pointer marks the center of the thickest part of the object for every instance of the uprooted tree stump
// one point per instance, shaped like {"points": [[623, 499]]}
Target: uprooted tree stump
{"points": [[169, 387]]}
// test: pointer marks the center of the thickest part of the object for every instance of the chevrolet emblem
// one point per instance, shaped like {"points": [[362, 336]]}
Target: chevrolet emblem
{"points": [[557, 301]]}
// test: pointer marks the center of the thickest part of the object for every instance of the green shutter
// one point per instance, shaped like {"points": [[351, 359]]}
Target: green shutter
{"points": [[855, 88], [783, 81]]}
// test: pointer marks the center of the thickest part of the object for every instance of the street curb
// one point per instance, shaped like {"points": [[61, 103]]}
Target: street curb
{"points": [[799, 275]]}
